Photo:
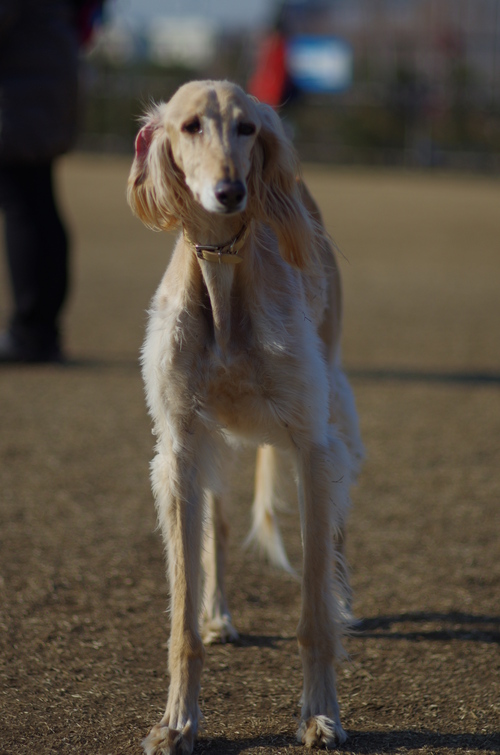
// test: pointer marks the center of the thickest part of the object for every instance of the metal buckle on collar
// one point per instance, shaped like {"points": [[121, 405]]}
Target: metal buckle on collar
{"points": [[215, 254], [223, 252]]}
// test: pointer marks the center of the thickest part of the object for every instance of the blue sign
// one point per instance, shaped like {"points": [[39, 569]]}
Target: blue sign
{"points": [[320, 64]]}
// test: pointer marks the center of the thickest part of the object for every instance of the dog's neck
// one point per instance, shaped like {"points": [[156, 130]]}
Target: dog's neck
{"points": [[218, 277], [219, 281]]}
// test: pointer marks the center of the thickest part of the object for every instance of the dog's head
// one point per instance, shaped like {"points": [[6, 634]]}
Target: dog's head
{"points": [[215, 146]]}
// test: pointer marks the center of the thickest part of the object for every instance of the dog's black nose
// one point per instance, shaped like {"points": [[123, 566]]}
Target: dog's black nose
{"points": [[230, 193]]}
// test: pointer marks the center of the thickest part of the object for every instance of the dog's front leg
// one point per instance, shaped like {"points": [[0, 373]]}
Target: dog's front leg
{"points": [[323, 472], [179, 505]]}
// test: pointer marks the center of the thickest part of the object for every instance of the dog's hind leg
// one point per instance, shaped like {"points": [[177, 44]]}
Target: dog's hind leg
{"points": [[343, 578], [345, 417], [323, 498], [216, 626], [179, 503]]}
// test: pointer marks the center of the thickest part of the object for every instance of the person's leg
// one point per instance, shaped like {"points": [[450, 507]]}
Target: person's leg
{"points": [[37, 254]]}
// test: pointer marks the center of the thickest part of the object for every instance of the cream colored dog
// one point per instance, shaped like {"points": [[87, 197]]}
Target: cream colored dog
{"points": [[242, 345]]}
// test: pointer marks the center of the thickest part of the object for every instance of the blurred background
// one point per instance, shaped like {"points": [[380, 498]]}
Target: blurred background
{"points": [[389, 82], [413, 84]]}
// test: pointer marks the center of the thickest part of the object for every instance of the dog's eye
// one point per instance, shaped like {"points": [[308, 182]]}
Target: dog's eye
{"points": [[192, 126], [245, 129]]}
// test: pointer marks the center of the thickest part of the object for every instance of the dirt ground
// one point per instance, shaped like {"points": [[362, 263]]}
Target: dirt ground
{"points": [[82, 587]]}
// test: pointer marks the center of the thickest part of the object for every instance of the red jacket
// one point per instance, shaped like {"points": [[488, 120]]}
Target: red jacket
{"points": [[269, 81]]}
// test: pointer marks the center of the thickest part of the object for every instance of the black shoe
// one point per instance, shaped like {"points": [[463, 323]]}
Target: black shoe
{"points": [[12, 353]]}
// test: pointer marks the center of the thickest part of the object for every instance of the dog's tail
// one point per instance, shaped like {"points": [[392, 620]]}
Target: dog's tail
{"points": [[265, 533]]}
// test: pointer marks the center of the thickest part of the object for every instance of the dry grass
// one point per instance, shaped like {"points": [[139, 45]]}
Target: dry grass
{"points": [[83, 594]]}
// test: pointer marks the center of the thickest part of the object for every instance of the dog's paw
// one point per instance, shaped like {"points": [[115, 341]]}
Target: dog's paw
{"points": [[162, 740], [321, 731], [219, 630]]}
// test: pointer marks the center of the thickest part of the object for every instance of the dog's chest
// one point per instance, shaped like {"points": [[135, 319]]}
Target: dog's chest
{"points": [[235, 389]]}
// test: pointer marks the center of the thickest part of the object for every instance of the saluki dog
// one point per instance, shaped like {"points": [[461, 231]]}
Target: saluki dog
{"points": [[243, 345]]}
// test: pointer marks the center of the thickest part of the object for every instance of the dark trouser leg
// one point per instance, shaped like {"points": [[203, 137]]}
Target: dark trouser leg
{"points": [[37, 255]]}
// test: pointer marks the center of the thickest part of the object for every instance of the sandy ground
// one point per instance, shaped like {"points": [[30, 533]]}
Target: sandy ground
{"points": [[82, 587]]}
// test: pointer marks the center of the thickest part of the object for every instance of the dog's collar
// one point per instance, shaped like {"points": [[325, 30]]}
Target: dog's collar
{"points": [[227, 252]]}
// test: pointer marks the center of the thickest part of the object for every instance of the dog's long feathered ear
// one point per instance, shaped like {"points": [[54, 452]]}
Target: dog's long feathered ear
{"points": [[155, 183], [274, 188]]}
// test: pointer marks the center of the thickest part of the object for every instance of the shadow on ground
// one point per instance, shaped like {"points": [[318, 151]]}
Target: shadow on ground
{"points": [[363, 742], [416, 376], [452, 626]]}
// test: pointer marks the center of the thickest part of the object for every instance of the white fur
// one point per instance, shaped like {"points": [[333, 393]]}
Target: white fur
{"points": [[246, 352]]}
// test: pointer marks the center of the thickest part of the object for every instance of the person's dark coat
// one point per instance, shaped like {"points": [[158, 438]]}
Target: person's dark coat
{"points": [[38, 79]]}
